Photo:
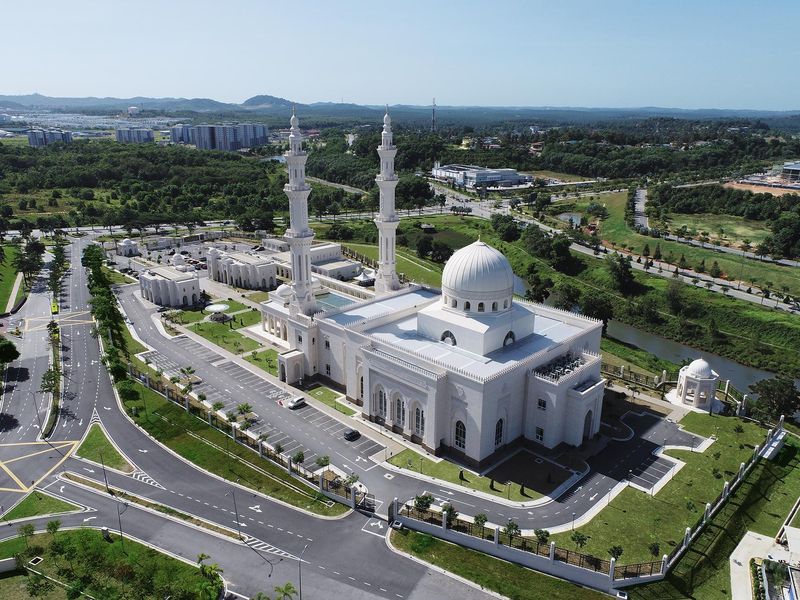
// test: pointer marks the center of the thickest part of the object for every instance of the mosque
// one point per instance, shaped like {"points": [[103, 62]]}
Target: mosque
{"points": [[467, 371]]}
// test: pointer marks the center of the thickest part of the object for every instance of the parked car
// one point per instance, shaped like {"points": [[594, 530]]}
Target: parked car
{"points": [[352, 434], [296, 402]]}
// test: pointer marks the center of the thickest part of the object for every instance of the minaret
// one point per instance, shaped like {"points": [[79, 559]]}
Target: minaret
{"points": [[386, 279], [299, 235]]}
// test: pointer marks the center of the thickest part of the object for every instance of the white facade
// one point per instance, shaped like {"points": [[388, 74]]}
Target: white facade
{"points": [[697, 385], [241, 269], [166, 286], [128, 247], [386, 279], [468, 372]]}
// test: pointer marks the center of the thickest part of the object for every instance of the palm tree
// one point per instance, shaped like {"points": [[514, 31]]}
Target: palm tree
{"points": [[207, 590], [244, 408], [260, 596], [285, 591]]}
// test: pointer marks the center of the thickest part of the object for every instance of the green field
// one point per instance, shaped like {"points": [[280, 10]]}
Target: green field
{"points": [[330, 397], [37, 504], [259, 296], [37, 203], [8, 275], [108, 570], [508, 579], [266, 360], [556, 175], [246, 318], [614, 229], [634, 519], [449, 471], [117, 277], [735, 229], [222, 335], [96, 447], [415, 269], [179, 431], [13, 587]]}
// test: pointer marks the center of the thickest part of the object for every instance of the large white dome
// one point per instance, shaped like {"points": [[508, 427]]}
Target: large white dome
{"points": [[700, 369], [477, 273]]}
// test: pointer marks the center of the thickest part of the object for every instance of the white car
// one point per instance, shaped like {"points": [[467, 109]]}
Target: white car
{"points": [[296, 402]]}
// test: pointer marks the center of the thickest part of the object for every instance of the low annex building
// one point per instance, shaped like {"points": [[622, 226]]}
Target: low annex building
{"points": [[167, 286], [468, 371], [242, 269]]}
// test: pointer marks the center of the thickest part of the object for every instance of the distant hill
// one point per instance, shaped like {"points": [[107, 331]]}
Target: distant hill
{"points": [[88, 103], [266, 101]]}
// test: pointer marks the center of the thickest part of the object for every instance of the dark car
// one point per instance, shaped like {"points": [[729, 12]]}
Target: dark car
{"points": [[352, 434]]}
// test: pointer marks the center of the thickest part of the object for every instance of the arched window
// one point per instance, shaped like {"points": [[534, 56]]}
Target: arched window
{"points": [[448, 338], [510, 339], [381, 404], [498, 433], [467, 305], [505, 303], [480, 306], [461, 435], [419, 422], [399, 412], [494, 306], [361, 387], [454, 303]]}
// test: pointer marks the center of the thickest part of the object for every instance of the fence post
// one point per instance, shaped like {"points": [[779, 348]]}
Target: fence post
{"points": [[707, 513], [208, 414], [395, 508], [444, 520], [744, 404], [552, 551], [321, 477], [352, 492], [496, 536], [664, 565], [741, 470], [612, 562], [260, 449], [289, 465], [687, 536], [726, 489]]}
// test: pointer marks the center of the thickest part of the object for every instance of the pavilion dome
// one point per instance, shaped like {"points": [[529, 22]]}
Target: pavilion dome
{"points": [[700, 369], [478, 276], [284, 291]]}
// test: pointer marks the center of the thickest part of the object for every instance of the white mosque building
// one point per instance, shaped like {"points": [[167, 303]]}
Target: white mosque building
{"points": [[467, 371]]}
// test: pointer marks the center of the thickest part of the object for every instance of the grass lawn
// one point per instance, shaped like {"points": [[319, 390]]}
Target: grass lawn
{"points": [[508, 579], [188, 316], [266, 360], [117, 277], [449, 471], [97, 448], [233, 305], [187, 435], [735, 228], [760, 504], [634, 519], [556, 175], [617, 353], [13, 587], [36, 504], [328, 396], [259, 296], [614, 229], [222, 335], [247, 318], [8, 274], [414, 268], [143, 572]]}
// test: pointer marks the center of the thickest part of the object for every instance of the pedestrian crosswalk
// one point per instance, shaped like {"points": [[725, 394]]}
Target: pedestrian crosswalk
{"points": [[261, 546]]}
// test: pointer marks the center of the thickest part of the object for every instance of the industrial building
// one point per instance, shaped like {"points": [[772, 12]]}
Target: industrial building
{"points": [[472, 176], [791, 172], [38, 138]]}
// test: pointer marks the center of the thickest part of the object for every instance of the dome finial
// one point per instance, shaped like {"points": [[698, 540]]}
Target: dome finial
{"points": [[294, 121]]}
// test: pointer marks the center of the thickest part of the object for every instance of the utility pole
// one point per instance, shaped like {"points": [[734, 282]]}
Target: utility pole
{"points": [[300, 572]]}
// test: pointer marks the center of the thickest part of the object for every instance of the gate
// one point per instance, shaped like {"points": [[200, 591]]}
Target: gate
{"points": [[365, 502]]}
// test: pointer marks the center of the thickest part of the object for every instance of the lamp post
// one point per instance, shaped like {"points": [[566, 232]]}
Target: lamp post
{"points": [[300, 572], [573, 521], [105, 477], [236, 510], [119, 521]]}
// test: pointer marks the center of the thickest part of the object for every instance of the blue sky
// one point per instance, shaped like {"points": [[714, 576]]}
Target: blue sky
{"points": [[612, 53]]}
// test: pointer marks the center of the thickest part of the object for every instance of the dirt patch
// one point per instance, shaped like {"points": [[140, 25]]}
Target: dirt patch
{"points": [[761, 189]]}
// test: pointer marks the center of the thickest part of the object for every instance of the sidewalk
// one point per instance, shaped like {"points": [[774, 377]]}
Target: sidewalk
{"points": [[752, 545]]}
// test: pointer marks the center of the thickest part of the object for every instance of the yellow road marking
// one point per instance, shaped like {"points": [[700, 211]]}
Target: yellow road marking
{"points": [[14, 477], [38, 443], [64, 445]]}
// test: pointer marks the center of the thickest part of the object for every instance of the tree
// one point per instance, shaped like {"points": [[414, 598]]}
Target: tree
{"points": [[674, 296], [598, 306], [646, 251], [53, 527], [715, 271], [8, 351], [657, 253], [654, 548], [619, 267], [37, 585], [440, 251], [566, 295], [615, 552], [511, 529], [579, 539], [423, 502], [244, 408], [299, 457], [480, 521], [451, 514], [424, 246], [776, 397], [25, 532], [50, 380], [207, 590], [286, 591], [542, 536]]}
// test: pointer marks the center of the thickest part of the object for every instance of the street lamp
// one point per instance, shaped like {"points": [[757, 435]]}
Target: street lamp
{"points": [[300, 572], [105, 477], [573, 521], [236, 510], [119, 521]]}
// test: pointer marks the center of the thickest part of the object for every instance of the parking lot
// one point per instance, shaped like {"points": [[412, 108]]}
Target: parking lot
{"points": [[196, 349], [650, 471]]}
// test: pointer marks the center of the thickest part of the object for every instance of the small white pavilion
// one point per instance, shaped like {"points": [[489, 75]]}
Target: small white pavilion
{"points": [[697, 385]]}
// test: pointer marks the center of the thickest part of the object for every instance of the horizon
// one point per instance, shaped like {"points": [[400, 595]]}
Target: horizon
{"points": [[532, 54]]}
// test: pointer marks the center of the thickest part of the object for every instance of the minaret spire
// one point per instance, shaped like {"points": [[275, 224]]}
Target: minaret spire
{"points": [[387, 221], [299, 235]]}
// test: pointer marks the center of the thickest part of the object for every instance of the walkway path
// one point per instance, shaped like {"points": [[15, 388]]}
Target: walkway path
{"points": [[753, 545], [12, 298], [641, 203]]}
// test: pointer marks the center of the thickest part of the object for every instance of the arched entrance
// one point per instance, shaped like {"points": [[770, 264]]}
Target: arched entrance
{"points": [[282, 372], [587, 425]]}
